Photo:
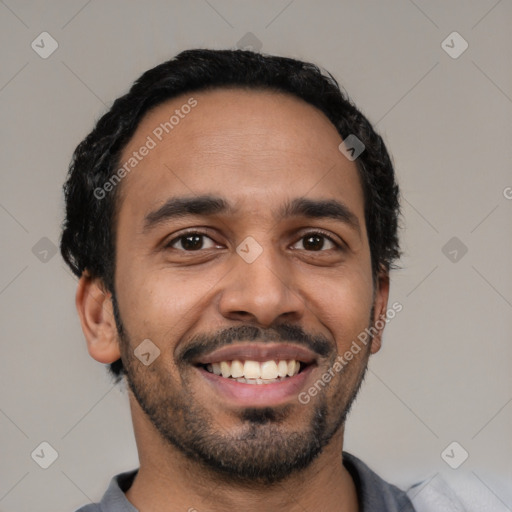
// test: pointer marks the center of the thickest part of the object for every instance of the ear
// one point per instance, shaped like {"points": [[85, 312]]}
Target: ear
{"points": [[380, 308], [94, 306]]}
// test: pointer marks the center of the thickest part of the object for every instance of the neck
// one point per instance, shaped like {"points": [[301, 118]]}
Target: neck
{"points": [[168, 481]]}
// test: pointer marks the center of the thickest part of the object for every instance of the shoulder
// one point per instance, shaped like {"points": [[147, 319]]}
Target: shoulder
{"points": [[434, 495], [375, 493], [114, 499], [456, 493], [93, 507]]}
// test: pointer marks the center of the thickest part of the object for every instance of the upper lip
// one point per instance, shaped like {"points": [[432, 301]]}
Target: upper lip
{"points": [[258, 352]]}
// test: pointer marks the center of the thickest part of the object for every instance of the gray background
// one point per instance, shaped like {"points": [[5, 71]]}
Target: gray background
{"points": [[444, 372]]}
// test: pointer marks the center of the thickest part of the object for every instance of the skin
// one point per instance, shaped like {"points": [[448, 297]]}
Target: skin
{"points": [[257, 150]]}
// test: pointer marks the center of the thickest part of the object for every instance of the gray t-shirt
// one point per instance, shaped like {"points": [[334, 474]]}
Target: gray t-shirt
{"points": [[375, 495]]}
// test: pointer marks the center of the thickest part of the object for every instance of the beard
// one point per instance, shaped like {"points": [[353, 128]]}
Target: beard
{"points": [[269, 444]]}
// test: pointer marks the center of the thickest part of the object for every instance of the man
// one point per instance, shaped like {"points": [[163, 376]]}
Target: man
{"points": [[233, 223]]}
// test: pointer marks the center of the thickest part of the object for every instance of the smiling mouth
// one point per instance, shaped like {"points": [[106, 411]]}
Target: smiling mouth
{"points": [[256, 372]]}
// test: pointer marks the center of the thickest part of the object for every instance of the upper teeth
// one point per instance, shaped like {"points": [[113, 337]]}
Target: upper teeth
{"points": [[254, 369]]}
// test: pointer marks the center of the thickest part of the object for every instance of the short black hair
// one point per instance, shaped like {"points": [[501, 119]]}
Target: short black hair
{"points": [[88, 233]]}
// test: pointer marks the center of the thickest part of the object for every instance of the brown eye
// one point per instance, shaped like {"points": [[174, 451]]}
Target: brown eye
{"points": [[316, 242], [191, 242]]}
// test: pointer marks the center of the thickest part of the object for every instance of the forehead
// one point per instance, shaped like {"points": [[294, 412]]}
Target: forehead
{"points": [[247, 145]]}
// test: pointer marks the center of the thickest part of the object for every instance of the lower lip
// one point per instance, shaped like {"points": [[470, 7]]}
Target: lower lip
{"points": [[262, 395]]}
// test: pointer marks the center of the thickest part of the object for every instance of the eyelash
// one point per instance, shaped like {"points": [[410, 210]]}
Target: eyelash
{"points": [[169, 245]]}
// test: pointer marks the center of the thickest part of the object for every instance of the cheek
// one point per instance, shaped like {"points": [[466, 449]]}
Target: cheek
{"points": [[163, 303], [344, 305]]}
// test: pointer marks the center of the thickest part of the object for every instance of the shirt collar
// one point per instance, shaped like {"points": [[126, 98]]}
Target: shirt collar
{"points": [[373, 492]]}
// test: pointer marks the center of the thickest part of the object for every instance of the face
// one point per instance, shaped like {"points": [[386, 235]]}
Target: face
{"points": [[242, 250]]}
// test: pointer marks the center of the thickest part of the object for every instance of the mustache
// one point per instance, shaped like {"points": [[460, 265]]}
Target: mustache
{"points": [[203, 344]]}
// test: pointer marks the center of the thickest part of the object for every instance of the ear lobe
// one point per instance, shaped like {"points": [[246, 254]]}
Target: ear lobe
{"points": [[380, 308], [94, 306]]}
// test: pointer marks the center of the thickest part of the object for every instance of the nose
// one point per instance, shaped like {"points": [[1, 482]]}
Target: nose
{"points": [[262, 292]]}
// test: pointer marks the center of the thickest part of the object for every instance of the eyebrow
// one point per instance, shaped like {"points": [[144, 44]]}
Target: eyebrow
{"points": [[321, 209], [178, 207], [208, 205]]}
